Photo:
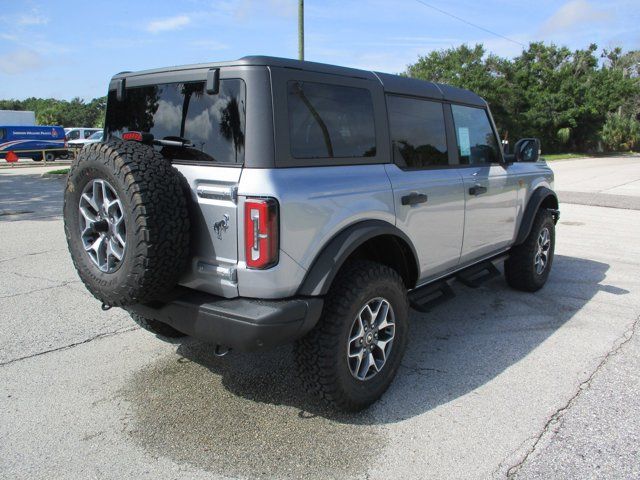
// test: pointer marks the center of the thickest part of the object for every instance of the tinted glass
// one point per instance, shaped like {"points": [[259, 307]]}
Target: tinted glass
{"points": [[2, 134], [330, 121], [476, 141], [417, 132], [213, 125]]}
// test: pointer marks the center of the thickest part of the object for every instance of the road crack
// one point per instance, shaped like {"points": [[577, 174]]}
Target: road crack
{"points": [[63, 284], [69, 346], [556, 418]]}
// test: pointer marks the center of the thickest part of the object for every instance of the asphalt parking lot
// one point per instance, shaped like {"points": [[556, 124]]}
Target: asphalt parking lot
{"points": [[495, 383]]}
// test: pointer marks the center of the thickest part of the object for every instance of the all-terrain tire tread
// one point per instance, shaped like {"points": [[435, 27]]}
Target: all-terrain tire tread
{"points": [[160, 240], [519, 268], [313, 352]]}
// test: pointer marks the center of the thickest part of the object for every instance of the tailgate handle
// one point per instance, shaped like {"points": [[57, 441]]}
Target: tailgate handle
{"points": [[217, 193]]}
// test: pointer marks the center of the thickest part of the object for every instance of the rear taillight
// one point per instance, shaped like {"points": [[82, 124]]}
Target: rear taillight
{"points": [[135, 136], [261, 232]]}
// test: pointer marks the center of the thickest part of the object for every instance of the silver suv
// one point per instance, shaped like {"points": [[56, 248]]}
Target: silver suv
{"points": [[265, 201]]}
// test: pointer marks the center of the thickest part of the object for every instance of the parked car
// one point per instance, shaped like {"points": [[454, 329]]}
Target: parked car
{"points": [[36, 142], [79, 133], [93, 138], [272, 201]]}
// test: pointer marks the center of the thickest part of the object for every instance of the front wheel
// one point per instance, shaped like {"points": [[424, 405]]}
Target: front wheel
{"points": [[529, 263], [352, 355]]}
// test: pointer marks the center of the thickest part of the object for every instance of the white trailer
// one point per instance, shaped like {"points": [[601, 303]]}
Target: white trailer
{"points": [[17, 118]]}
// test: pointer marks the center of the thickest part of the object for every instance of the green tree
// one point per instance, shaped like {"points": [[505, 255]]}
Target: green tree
{"points": [[561, 96]]}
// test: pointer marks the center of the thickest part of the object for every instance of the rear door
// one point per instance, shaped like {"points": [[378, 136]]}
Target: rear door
{"points": [[491, 189], [428, 193], [213, 128]]}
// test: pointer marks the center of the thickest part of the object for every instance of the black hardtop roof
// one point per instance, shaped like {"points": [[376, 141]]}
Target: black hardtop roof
{"points": [[391, 83]]}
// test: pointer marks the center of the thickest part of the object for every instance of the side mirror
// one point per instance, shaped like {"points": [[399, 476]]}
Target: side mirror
{"points": [[527, 150]]}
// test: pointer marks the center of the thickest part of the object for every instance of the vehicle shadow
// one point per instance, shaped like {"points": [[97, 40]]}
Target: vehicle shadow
{"points": [[31, 196], [248, 414], [453, 350]]}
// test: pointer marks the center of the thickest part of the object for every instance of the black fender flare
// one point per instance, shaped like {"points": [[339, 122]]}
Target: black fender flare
{"points": [[538, 196], [328, 262]]}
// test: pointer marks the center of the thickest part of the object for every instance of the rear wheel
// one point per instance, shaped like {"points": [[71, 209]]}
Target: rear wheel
{"points": [[529, 263], [352, 355]]}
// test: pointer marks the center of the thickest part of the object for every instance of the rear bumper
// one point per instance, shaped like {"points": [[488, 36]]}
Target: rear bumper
{"points": [[244, 324]]}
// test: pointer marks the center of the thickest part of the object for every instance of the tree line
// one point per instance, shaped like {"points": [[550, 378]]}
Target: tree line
{"points": [[73, 113], [581, 100]]}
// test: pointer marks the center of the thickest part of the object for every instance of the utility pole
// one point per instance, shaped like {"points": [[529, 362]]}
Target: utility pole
{"points": [[301, 29]]}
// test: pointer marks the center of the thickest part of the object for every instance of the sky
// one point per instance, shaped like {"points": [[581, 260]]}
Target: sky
{"points": [[65, 49]]}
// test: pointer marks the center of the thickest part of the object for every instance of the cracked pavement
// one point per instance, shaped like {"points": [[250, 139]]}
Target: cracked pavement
{"points": [[495, 384]]}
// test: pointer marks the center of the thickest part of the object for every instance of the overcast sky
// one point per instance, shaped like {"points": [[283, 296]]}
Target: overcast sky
{"points": [[67, 48]]}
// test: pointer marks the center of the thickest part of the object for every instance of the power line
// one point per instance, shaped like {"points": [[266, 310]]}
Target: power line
{"points": [[469, 23]]}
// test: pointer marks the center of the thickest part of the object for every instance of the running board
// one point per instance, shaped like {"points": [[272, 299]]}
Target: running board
{"points": [[425, 298], [475, 276]]}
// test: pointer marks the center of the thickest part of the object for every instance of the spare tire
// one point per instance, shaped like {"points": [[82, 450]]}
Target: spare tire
{"points": [[126, 222]]}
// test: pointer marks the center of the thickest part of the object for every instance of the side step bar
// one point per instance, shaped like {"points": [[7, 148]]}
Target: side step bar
{"points": [[475, 276], [425, 298]]}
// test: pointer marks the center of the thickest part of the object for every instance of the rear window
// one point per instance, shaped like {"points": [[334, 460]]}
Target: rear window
{"points": [[330, 121], [212, 125], [417, 132]]}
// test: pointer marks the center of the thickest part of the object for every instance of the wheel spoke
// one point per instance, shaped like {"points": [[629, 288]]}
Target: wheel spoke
{"points": [[106, 247], [371, 338]]}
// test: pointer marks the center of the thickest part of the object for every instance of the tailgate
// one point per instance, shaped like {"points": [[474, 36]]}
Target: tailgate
{"points": [[214, 228]]}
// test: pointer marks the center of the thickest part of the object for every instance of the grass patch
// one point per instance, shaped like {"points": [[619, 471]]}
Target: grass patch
{"points": [[564, 156], [60, 171]]}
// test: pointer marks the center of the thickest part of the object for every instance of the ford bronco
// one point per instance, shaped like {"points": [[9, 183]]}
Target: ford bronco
{"points": [[264, 201]]}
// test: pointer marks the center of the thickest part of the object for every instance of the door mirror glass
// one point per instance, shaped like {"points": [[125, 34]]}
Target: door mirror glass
{"points": [[527, 150]]}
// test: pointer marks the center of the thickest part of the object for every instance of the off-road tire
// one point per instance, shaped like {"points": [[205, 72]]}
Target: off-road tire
{"points": [[156, 220], [156, 327], [321, 355], [519, 268]]}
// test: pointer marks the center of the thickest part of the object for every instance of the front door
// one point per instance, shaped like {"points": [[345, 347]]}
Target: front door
{"points": [[491, 192]]}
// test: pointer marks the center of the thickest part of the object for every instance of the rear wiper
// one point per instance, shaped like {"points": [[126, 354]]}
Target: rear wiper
{"points": [[173, 142], [146, 137]]}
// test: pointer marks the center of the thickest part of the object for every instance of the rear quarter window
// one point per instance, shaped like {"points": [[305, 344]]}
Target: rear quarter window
{"points": [[214, 125], [330, 121]]}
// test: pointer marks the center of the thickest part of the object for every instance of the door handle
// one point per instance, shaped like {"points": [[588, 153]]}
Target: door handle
{"points": [[414, 198], [477, 190]]}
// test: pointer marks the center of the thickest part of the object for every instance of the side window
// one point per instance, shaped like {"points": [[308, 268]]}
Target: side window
{"points": [[2, 134], [330, 121], [88, 133], [73, 135], [417, 132], [477, 142]]}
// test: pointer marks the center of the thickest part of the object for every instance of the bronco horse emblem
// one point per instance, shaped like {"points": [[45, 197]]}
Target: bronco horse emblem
{"points": [[221, 226]]}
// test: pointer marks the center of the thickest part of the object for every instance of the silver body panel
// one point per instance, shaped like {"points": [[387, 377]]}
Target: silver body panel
{"points": [[436, 227], [450, 231]]}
